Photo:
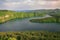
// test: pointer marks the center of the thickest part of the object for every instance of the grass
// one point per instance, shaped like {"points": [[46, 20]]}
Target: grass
{"points": [[32, 35]]}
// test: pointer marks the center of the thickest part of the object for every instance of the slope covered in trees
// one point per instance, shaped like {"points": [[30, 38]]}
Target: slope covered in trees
{"points": [[32, 35], [54, 19], [6, 15]]}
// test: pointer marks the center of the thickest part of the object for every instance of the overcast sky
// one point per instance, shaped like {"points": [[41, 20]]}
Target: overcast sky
{"points": [[29, 4]]}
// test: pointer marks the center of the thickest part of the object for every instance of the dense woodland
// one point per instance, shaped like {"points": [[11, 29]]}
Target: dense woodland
{"points": [[45, 20], [55, 17], [30, 35], [8, 15]]}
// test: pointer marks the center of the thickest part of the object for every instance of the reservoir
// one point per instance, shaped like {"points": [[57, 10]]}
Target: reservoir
{"points": [[26, 25]]}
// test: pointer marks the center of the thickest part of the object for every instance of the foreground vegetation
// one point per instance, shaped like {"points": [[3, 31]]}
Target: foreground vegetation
{"points": [[45, 20], [32, 35]]}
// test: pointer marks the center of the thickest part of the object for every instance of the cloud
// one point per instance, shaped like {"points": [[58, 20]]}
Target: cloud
{"points": [[51, 0], [29, 4], [28, 0]]}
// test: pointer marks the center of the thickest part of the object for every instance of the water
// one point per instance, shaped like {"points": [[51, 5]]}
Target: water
{"points": [[25, 25]]}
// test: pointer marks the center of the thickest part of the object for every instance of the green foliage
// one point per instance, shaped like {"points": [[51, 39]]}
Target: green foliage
{"points": [[32, 35], [46, 20], [12, 38], [6, 15]]}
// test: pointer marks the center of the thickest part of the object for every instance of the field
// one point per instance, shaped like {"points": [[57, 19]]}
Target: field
{"points": [[32, 35]]}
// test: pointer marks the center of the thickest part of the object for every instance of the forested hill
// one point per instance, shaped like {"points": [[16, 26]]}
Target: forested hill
{"points": [[46, 11], [9, 14], [3, 12], [6, 15]]}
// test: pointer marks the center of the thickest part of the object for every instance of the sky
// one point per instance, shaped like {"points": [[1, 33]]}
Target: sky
{"points": [[29, 4]]}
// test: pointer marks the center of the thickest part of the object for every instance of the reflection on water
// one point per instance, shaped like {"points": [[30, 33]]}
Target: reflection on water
{"points": [[25, 25]]}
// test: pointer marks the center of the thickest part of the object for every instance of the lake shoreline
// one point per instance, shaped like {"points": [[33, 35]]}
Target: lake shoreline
{"points": [[45, 20]]}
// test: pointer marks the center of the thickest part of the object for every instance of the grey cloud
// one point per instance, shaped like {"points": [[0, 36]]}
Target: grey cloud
{"points": [[24, 0], [14, 5], [2, 6], [2, 0], [46, 0], [51, 0], [14, 0]]}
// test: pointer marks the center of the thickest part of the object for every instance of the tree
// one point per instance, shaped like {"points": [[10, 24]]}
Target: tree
{"points": [[55, 13], [12, 38]]}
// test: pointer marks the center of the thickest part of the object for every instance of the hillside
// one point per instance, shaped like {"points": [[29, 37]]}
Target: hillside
{"points": [[6, 15]]}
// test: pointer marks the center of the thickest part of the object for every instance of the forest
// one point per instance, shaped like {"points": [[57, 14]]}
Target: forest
{"points": [[55, 17], [30, 35], [6, 15]]}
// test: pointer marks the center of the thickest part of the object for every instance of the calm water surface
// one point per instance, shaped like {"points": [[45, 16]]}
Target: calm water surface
{"points": [[25, 25]]}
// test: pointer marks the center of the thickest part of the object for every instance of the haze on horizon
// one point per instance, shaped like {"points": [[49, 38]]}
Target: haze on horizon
{"points": [[29, 4]]}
